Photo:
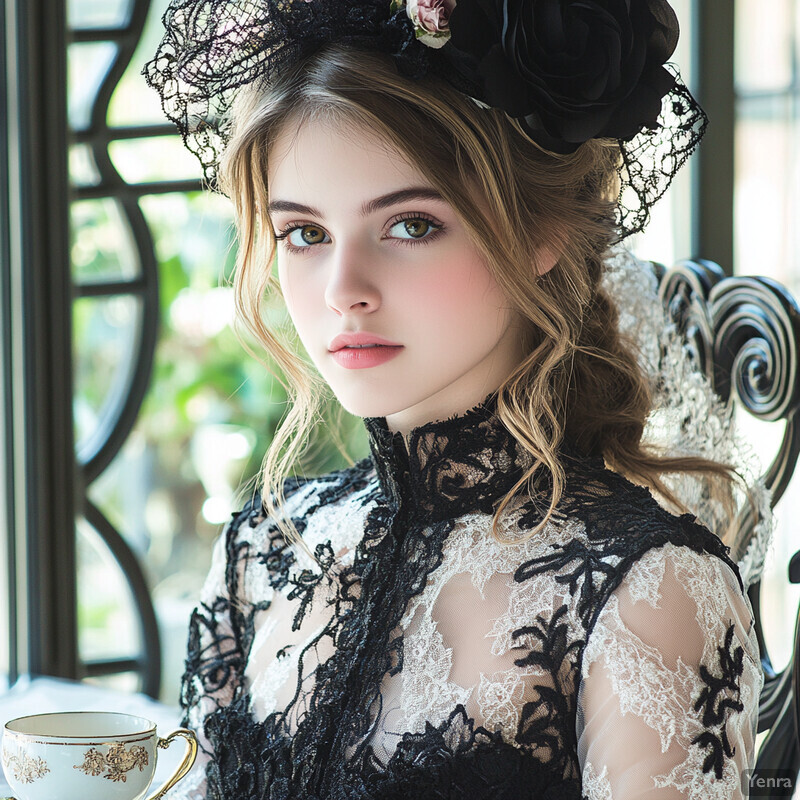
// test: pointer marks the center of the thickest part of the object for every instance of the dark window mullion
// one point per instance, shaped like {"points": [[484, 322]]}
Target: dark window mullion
{"points": [[134, 286], [8, 602], [136, 190], [712, 234], [125, 132], [42, 460]]}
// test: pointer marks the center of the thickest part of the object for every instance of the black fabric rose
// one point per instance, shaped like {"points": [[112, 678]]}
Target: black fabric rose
{"points": [[570, 70]]}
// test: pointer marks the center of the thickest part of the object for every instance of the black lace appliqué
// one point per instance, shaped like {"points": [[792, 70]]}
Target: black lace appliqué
{"points": [[718, 700], [451, 467], [541, 724]]}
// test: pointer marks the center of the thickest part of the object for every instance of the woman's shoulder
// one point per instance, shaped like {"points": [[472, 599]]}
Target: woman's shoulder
{"points": [[606, 525], [623, 517], [320, 508]]}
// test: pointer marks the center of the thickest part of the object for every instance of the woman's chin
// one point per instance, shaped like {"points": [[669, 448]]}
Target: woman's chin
{"points": [[367, 406], [374, 400]]}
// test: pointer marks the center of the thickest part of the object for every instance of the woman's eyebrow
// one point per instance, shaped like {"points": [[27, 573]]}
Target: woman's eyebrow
{"points": [[400, 196], [276, 206], [379, 203]]}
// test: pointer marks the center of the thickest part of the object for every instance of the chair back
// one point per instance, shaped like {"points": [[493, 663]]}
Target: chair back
{"points": [[745, 335]]}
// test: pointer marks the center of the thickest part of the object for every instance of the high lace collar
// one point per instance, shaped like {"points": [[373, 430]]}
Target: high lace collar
{"points": [[451, 467]]}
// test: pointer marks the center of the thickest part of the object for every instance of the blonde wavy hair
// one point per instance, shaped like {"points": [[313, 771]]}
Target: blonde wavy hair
{"points": [[580, 380]]}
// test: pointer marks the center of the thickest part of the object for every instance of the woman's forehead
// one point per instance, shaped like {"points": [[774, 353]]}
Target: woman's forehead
{"points": [[330, 159]]}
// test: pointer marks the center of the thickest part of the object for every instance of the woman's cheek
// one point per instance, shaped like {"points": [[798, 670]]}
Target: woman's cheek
{"points": [[301, 296], [459, 286], [442, 272], [283, 281]]}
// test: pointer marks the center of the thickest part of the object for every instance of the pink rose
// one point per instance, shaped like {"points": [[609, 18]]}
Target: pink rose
{"points": [[431, 16], [431, 19]]}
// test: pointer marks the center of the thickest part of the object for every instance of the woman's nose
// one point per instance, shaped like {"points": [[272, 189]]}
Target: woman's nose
{"points": [[351, 285]]}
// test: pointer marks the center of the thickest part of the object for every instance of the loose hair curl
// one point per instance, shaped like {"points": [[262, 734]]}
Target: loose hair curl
{"points": [[580, 381]]}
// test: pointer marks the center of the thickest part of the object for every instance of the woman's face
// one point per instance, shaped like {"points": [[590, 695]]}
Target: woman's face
{"points": [[367, 246]]}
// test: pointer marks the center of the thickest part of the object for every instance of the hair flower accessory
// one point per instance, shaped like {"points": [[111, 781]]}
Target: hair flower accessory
{"points": [[431, 19], [566, 71], [572, 70]]}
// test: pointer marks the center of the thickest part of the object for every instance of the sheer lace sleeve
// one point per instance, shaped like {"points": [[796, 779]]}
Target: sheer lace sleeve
{"points": [[670, 683], [213, 665]]}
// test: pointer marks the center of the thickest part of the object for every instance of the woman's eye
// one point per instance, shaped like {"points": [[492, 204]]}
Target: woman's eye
{"points": [[306, 235], [416, 228]]}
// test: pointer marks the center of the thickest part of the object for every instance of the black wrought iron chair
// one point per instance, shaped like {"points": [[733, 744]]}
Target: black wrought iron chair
{"points": [[745, 334]]}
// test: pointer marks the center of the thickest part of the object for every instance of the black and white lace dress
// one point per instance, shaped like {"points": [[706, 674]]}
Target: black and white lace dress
{"points": [[610, 657]]}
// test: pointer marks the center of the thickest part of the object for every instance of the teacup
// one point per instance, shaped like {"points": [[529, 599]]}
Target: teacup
{"points": [[87, 755]]}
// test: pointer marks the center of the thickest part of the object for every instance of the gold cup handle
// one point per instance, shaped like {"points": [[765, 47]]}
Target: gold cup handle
{"points": [[184, 766]]}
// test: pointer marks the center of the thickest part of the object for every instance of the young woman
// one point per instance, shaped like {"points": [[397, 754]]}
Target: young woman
{"points": [[493, 603]]}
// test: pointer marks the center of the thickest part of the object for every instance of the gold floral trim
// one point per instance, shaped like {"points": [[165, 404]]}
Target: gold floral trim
{"points": [[117, 761], [25, 768]]}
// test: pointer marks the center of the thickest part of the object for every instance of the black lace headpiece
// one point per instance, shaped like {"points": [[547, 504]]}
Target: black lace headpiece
{"points": [[566, 70]]}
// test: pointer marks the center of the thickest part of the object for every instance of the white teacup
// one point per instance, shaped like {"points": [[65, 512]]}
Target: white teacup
{"points": [[87, 755]]}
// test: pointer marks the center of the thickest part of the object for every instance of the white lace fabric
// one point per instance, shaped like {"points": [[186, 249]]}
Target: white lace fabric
{"points": [[193, 786], [688, 417], [643, 702], [640, 678]]}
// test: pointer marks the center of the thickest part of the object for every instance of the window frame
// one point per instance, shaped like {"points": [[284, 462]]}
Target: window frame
{"points": [[39, 480]]}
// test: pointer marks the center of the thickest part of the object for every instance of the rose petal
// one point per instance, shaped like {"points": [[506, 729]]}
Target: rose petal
{"points": [[575, 69]]}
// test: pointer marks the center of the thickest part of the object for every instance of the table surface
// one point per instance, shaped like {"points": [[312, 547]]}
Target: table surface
{"points": [[46, 695]]}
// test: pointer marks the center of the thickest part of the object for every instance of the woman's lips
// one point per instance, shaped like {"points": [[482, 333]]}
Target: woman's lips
{"points": [[363, 357]]}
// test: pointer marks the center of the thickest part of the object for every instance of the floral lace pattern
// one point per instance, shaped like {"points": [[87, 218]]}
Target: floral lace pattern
{"points": [[694, 685], [425, 659]]}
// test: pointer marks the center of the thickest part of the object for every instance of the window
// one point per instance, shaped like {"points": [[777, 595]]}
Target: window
{"points": [[36, 423], [669, 234], [767, 238]]}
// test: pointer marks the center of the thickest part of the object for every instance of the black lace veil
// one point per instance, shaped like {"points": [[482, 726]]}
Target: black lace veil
{"points": [[211, 48]]}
